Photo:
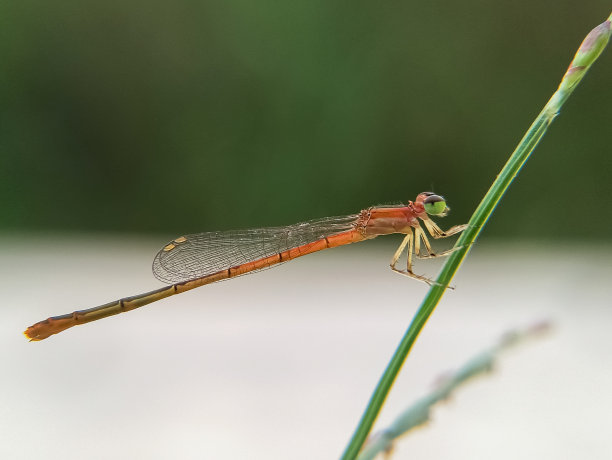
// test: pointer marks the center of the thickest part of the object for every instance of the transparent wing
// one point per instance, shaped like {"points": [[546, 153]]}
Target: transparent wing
{"points": [[202, 254]]}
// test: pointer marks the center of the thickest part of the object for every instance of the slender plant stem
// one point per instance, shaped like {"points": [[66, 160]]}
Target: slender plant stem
{"points": [[590, 49]]}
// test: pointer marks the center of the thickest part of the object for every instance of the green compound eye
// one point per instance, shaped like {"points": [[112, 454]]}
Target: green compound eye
{"points": [[434, 205]]}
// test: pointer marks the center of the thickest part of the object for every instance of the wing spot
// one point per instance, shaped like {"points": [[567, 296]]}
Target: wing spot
{"points": [[169, 247], [180, 239]]}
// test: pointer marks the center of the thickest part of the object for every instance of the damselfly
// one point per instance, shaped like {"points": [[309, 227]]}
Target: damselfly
{"points": [[192, 261]]}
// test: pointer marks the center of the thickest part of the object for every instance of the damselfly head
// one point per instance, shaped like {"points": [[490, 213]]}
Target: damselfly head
{"points": [[435, 205]]}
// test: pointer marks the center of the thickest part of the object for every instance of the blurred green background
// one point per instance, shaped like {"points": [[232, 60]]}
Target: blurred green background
{"points": [[184, 116]]}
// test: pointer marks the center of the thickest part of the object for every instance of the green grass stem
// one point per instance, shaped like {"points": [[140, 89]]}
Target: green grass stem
{"points": [[589, 51]]}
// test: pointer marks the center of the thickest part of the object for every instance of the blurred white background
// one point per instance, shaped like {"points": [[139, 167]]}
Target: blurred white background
{"points": [[280, 364]]}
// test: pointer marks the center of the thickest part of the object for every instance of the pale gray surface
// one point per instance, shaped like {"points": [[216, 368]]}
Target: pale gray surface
{"points": [[280, 364]]}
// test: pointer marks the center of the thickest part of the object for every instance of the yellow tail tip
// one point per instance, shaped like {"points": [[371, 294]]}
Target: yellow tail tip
{"points": [[48, 327], [36, 332], [27, 335]]}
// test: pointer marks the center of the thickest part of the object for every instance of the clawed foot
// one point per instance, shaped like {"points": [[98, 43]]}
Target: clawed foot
{"points": [[433, 255], [422, 278]]}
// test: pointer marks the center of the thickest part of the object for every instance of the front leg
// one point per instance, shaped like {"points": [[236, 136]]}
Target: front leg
{"points": [[437, 232], [420, 234]]}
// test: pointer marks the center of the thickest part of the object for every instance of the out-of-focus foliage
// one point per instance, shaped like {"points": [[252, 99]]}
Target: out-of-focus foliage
{"points": [[419, 413], [190, 116]]}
